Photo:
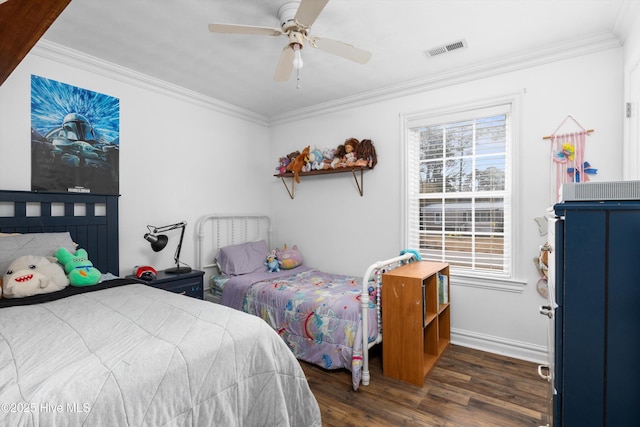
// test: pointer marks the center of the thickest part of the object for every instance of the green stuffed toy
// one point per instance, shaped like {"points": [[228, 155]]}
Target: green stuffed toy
{"points": [[79, 269]]}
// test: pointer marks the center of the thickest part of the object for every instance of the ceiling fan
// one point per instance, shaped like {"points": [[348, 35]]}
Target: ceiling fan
{"points": [[296, 18]]}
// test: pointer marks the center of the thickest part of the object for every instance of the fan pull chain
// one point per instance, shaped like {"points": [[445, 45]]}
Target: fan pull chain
{"points": [[298, 78]]}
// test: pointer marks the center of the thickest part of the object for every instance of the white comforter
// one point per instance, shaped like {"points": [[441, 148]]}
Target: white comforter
{"points": [[137, 356]]}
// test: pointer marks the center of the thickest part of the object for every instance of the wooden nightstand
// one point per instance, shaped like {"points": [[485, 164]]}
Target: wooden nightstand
{"points": [[189, 284]]}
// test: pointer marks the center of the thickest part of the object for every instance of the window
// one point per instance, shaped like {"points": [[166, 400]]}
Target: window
{"points": [[458, 200]]}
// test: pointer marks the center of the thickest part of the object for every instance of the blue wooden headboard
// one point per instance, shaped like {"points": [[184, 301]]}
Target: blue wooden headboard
{"points": [[91, 219]]}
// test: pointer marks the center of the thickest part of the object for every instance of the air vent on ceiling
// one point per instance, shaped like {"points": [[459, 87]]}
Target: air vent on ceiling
{"points": [[439, 50]]}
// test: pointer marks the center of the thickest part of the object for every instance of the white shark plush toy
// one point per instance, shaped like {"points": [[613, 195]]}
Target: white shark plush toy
{"points": [[31, 275]]}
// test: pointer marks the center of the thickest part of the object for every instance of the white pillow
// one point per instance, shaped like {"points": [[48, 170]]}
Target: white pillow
{"points": [[40, 244]]}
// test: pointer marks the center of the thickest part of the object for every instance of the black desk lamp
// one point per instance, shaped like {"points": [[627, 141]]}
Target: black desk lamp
{"points": [[159, 241]]}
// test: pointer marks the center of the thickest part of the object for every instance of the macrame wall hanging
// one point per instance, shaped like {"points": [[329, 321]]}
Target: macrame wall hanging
{"points": [[568, 162]]}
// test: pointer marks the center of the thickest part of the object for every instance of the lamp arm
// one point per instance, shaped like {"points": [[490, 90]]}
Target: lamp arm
{"points": [[176, 257], [164, 228]]}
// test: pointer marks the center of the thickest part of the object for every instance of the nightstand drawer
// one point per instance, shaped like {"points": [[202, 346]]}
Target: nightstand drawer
{"points": [[189, 284], [191, 288]]}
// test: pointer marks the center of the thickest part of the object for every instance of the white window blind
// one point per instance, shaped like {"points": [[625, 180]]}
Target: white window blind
{"points": [[459, 189]]}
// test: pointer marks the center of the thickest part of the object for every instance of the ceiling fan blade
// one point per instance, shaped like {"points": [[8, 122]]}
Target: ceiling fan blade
{"points": [[244, 29], [341, 49], [285, 65], [309, 10]]}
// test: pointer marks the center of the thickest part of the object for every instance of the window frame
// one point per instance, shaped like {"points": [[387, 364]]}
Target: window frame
{"points": [[444, 114]]}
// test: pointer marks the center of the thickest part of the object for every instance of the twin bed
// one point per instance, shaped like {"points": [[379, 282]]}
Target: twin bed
{"points": [[122, 353], [326, 319]]}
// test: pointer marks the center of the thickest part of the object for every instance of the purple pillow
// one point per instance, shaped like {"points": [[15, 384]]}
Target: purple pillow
{"points": [[243, 258]]}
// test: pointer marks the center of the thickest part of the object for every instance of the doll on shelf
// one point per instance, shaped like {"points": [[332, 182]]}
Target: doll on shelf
{"points": [[345, 154], [350, 147], [338, 157], [366, 154]]}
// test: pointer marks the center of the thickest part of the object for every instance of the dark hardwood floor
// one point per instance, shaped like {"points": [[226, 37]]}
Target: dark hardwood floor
{"points": [[466, 388]]}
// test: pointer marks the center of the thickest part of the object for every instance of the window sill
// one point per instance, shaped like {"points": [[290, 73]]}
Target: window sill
{"points": [[491, 283]]}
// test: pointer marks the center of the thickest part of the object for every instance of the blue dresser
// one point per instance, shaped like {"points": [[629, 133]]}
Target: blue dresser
{"points": [[595, 365]]}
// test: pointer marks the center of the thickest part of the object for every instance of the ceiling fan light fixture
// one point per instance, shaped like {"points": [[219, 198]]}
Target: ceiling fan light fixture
{"points": [[297, 58]]}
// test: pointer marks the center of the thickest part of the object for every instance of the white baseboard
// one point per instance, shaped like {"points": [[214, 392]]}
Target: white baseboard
{"points": [[498, 345]]}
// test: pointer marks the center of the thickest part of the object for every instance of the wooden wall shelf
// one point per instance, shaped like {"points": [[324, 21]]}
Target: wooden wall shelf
{"points": [[353, 170]]}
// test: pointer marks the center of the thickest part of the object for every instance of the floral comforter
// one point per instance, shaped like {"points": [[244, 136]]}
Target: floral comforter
{"points": [[317, 314]]}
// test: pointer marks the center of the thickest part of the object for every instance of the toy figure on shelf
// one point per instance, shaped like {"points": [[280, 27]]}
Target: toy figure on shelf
{"points": [[292, 156], [338, 155], [316, 159], [350, 147], [282, 165], [345, 155], [328, 154], [366, 154], [299, 162]]}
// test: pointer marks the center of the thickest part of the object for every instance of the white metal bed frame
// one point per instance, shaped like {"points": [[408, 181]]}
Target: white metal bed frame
{"points": [[214, 231]]}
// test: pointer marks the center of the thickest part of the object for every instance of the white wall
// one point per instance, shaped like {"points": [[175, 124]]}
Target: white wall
{"points": [[179, 158], [631, 157], [337, 229]]}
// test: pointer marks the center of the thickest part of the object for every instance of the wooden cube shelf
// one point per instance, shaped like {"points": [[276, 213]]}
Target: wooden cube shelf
{"points": [[416, 319]]}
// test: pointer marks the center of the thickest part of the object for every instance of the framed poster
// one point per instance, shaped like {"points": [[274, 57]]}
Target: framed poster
{"points": [[75, 139]]}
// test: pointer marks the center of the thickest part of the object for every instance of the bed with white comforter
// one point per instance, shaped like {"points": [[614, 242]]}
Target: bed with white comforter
{"points": [[134, 355]]}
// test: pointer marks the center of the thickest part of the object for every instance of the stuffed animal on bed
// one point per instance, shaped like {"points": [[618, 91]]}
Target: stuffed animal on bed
{"points": [[79, 269], [416, 255], [31, 275], [289, 257], [272, 262]]}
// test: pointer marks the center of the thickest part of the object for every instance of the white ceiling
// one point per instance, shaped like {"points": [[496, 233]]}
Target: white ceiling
{"points": [[169, 40]]}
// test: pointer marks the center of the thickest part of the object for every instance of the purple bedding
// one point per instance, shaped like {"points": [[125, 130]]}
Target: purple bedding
{"points": [[317, 314]]}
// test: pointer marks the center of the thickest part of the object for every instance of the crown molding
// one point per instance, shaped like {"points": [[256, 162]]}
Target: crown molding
{"points": [[58, 53], [625, 20], [559, 52]]}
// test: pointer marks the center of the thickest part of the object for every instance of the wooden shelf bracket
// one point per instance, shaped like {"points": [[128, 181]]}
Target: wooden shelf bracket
{"points": [[353, 170], [360, 184], [292, 191]]}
